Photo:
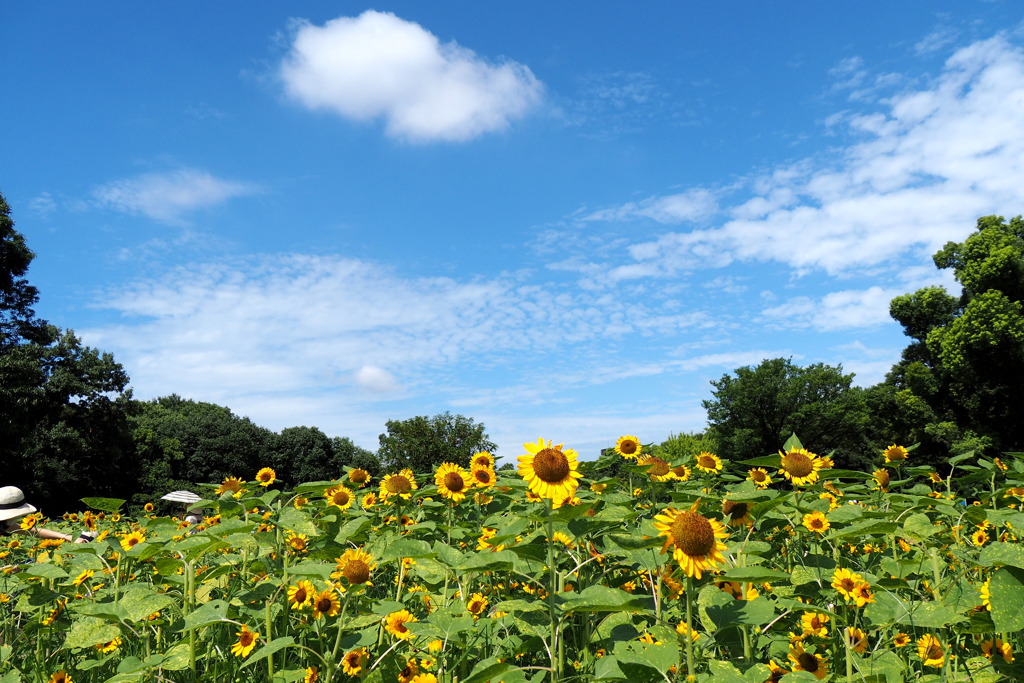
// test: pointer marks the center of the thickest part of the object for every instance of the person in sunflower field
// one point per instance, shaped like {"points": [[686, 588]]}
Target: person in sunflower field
{"points": [[13, 508]]}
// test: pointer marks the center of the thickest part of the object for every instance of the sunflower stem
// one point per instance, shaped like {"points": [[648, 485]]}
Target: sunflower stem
{"points": [[689, 626], [556, 663]]}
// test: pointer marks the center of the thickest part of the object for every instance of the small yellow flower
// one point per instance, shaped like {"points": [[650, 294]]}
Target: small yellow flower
{"points": [[395, 624], [628, 447], [894, 453], [129, 541], [266, 476], [930, 650], [301, 594], [708, 462], [246, 642], [355, 661], [760, 477], [816, 522]]}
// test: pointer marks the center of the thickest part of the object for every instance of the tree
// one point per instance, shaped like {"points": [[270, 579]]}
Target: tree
{"points": [[301, 454], [64, 407], [422, 443], [754, 412], [957, 385]]}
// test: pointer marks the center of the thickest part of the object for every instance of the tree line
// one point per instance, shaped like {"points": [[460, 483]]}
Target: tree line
{"points": [[70, 427]]}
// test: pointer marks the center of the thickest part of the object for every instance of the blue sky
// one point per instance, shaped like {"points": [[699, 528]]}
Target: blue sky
{"points": [[561, 219]]}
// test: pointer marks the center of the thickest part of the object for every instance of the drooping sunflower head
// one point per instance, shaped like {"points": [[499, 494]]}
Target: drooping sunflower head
{"points": [[266, 477], [882, 479], [894, 453], [930, 650], [736, 513], [694, 539], [356, 565], [681, 472], [401, 484], [452, 481], [800, 466], [657, 469], [550, 472], [708, 462], [230, 484], [628, 447]]}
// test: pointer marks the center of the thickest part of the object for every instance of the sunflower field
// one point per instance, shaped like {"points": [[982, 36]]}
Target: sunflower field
{"points": [[782, 568]]}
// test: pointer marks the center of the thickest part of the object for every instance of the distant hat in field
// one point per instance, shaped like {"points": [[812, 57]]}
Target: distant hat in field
{"points": [[181, 497], [12, 503]]}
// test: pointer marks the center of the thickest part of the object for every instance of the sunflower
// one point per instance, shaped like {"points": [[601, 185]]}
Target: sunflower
{"points": [[246, 642], [979, 537], [359, 477], [477, 604], [299, 543], [833, 501], [425, 677], [452, 481], [845, 581], [60, 677], [777, 672], [312, 675], [482, 459], [148, 507], [737, 514], [326, 602], [355, 661], [658, 469], [401, 484], [805, 661], [695, 538], [882, 479], [410, 672], [856, 640], [395, 624], [29, 521], [681, 472], [709, 462], [894, 453], [339, 496], [301, 594], [628, 447], [483, 477], [800, 466], [129, 541], [929, 649], [815, 624], [901, 639], [232, 484], [109, 646], [935, 478], [997, 647], [862, 594], [550, 472], [355, 565], [760, 477], [816, 522], [684, 631], [266, 477], [369, 501]]}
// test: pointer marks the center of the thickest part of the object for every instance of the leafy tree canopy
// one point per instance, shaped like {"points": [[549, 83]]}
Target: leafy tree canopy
{"points": [[756, 410], [422, 443]]}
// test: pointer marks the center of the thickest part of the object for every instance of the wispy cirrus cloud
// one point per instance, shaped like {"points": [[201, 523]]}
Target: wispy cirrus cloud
{"points": [[378, 65], [168, 196]]}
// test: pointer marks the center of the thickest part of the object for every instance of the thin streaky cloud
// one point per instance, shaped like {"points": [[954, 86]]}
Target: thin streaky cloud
{"points": [[168, 196]]}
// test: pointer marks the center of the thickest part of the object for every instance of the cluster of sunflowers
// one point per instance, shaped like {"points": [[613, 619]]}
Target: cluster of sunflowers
{"points": [[782, 568]]}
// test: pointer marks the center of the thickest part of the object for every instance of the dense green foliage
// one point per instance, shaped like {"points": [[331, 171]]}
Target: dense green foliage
{"points": [[422, 443], [755, 411], [957, 386]]}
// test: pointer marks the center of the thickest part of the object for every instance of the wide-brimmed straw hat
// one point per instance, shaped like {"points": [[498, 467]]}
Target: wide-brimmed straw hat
{"points": [[12, 503], [181, 497]]}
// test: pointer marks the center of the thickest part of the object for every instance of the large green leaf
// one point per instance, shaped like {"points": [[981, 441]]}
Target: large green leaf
{"points": [[104, 504], [1007, 597], [139, 602], [1000, 553], [600, 598], [210, 613], [89, 631], [269, 649], [755, 574]]}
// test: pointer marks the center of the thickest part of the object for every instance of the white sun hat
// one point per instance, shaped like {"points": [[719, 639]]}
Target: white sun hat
{"points": [[12, 503], [181, 497]]}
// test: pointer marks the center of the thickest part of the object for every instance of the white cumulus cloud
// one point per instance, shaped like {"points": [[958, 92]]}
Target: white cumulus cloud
{"points": [[377, 65]]}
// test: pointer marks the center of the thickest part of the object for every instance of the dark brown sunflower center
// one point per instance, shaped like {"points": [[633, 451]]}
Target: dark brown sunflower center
{"points": [[453, 481], [934, 651], [301, 595], [707, 461], [883, 478], [658, 467], [629, 447], [245, 639], [693, 534], [848, 585], [357, 571], [758, 476], [341, 497], [551, 465], [357, 476], [797, 464], [808, 662], [482, 476], [324, 605], [398, 484], [735, 510]]}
